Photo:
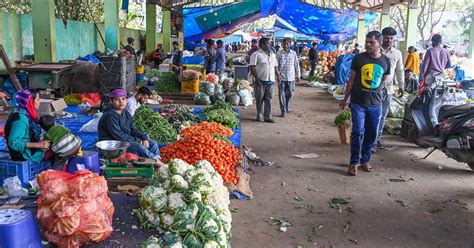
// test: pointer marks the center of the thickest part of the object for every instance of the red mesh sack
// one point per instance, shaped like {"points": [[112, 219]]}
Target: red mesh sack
{"points": [[74, 209]]}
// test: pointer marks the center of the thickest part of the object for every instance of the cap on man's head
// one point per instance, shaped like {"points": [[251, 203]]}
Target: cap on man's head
{"points": [[116, 93]]}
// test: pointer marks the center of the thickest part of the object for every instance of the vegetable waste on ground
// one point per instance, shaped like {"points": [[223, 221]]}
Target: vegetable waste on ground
{"points": [[188, 205], [208, 127], [221, 154], [221, 112], [74, 209], [152, 123]]}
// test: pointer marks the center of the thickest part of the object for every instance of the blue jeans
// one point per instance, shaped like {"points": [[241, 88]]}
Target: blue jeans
{"points": [[365, 123], [386, 99], [142, 151]]}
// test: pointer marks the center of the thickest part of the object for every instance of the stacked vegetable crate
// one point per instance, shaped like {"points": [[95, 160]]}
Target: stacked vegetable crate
{"points": [[407, 122], [117, 72]]}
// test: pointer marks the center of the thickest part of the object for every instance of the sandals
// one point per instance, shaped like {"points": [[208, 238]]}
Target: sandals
{"points": [[367, 167], [352, 171]]}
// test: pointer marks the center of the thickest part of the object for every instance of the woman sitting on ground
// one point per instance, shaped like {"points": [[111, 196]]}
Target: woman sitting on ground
{"points": [[22, 131]]}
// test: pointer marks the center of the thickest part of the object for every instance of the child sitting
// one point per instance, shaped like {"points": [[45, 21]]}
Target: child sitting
{"points": [[63, 142]]}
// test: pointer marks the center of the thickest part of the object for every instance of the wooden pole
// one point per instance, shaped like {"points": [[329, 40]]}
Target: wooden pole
{"points": [[10, 69]]}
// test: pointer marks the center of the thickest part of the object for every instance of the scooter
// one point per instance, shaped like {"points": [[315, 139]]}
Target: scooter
{"points": [[454, 135]]}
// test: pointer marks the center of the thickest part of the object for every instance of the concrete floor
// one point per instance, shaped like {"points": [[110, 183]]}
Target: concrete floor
{"points": [[433, 208]]}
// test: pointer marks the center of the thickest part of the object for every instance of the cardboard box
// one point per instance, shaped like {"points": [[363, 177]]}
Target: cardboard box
{"points": [[51, 107]]}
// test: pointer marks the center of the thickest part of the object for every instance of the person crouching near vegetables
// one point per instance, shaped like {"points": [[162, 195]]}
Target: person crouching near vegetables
{"points": [[117, 124], [22, 132]]}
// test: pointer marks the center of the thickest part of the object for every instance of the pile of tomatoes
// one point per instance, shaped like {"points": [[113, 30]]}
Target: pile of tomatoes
{"points": [[222, 155]]}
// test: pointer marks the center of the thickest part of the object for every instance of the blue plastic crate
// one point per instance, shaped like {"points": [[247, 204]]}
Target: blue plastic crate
{"points": [[25, 170]]}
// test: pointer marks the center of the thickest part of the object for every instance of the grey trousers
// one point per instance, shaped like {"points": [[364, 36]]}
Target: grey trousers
{"points": [[286, 90], [263, 99]]}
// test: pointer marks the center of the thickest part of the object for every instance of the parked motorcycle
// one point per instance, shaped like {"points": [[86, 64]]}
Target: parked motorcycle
{"points": [[454, 135]]}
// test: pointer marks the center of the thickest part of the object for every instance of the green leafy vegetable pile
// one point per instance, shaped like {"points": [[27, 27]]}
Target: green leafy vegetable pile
{"points": [[221, 112], [188, 204], [342, 118], [152, 123], [168, 82]]}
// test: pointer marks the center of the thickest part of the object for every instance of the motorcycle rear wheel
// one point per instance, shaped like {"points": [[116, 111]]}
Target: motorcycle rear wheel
{"points": [[414, 137]]}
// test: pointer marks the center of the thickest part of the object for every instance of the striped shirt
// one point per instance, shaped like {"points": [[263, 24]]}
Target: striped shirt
{"points": [[288, 65]]}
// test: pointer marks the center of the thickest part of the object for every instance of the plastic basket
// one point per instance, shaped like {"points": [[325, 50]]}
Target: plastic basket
{"points": [[190, 87], [25, 170], [114, 169]]}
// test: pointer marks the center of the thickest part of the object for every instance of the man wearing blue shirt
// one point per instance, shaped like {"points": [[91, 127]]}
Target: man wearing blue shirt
{"points": [[221, 57]]}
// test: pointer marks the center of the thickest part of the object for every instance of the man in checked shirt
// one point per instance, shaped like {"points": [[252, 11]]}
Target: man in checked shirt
{"points": [[289, 73]]}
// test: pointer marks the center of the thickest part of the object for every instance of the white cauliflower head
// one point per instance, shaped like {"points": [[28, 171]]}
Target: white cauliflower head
{"points": [[178, 166], [175, 200]]}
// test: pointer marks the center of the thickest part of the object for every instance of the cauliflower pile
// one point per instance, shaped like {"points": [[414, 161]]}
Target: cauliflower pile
{"points": [[188, 204]]}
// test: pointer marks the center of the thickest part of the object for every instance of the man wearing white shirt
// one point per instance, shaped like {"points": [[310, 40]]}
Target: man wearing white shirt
{"points": [[289, 68], [135, 101], [395, 80], [264, 68]]}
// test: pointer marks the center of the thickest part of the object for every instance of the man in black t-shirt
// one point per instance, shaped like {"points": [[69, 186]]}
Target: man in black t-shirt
{"points": [[369, 71]]}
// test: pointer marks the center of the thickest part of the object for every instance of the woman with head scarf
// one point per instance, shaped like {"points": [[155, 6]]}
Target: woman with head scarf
{"points": [[22, 131], [117, 124]]}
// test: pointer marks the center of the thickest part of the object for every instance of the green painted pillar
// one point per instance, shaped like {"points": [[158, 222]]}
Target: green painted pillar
{"points": [[471, 35], [361, 28], [150, 28], [166, 36], [44, 30], [385, 17], [111, 24], [411, 31]]}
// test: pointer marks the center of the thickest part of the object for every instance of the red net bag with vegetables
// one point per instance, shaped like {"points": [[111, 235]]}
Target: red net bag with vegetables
{"points": [[74, 209]]}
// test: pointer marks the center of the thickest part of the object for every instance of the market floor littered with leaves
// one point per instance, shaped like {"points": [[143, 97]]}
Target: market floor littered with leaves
{"points": [[404, 202]]}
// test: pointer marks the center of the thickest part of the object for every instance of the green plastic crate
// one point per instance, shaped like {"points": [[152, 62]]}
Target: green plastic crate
{"points": [[115, 169]]}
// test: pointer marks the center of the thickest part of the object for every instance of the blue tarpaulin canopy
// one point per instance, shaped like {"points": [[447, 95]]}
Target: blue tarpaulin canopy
{"points": [[324, 24]]}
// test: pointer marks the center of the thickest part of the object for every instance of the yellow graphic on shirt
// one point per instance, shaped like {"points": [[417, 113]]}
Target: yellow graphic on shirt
{"points": [[371, 75]]}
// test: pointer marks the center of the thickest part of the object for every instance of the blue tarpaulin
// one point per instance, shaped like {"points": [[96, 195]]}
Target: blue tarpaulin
{"points": [[335, 25], [343, 68]]}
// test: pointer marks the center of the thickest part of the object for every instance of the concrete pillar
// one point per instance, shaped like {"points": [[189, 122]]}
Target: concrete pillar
{"points": [[166, 36], [111, 25], [471, 35], [150, 28], [385, 17], [44, 30], [411, 32], [361, 28]]}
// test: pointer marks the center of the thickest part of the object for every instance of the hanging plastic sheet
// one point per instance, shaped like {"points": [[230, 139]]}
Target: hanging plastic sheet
{"points": [[336, 25], [343, 68]]}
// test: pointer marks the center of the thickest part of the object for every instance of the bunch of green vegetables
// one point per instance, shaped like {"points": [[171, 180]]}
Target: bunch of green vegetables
{"points": [[178, 113], [342, 118], [221, 112], [168, 82], [152, 123], [188, 204], [153, 73]]}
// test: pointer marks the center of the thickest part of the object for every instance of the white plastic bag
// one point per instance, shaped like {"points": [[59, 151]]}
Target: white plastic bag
{"points": [[246, 97], [12, 186], [92, 126]]}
